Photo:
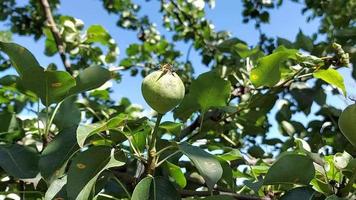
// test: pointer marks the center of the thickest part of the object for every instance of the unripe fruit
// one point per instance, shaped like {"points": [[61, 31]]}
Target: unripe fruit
{"points": [[163, 90], [347, 123]]}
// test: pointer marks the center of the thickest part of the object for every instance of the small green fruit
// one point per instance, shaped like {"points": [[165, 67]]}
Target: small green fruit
{"points": [[163, 90], [347, 123]]}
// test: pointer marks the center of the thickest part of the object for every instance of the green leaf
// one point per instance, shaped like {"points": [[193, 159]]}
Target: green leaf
{"points": [[6, 119], [86, 130], [304, 42], [68, 114], [267, 72], [49, 86], [154, 188], [204, 94], [227, 176], [56, 85], [286, 170], [244, 51], [19, 161], [55, 187], [142, 189], [176, 174], [97, 33], [23, 60], [90, 78], [282, 41], [50, 43], [207, 165], [234, 154], [86, 168], [9, 80], [5, 36], [226, 45], [299, 193], [332, 77], [172, 127], [55, 156], [188, 106]]}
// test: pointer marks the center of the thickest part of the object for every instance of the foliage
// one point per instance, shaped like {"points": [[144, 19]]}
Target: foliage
{"points": [[79, 143]]}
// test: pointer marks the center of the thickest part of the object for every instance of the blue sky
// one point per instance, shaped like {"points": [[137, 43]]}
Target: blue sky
{"points": [[285, 22]]}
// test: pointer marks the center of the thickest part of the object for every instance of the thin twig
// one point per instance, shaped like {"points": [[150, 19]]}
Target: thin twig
{"points": [[51, 24], [188, 193]]}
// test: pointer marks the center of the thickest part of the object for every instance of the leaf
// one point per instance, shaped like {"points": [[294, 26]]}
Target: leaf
{"points": [[68, 114], [9, 80], [267, 72], [5, 118], [19, 161], [244, 51], [154, 188], [90, 78], [5, 36], [188, 106], [299, 193], [57, 153], [55, 187], [282, 41], [234, 154], [207, 165], [50, 43], [176, 174], [97, 33], [23, 60], [204, 95], [286, 170], [171, 127], [226, 45], [142, 189], [332, 77], [86, 130], [86, 168], [227, 176], [49, 86], [304, 42]]}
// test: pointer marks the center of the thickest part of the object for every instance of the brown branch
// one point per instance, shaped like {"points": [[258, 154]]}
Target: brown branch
{"points": [[56, 34], [189, 193]]}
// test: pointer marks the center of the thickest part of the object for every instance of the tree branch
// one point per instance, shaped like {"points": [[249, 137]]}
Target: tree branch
{"points": [[188, 193], [56, 34]]}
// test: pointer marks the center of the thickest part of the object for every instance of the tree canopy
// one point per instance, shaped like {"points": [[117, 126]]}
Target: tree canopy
{"points": [[83, 144]]}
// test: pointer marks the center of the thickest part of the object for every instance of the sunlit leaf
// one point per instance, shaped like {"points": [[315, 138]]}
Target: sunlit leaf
{"points": [[204, 95], [332, 77], [86, 130], [267, 72], [175, 173]]}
